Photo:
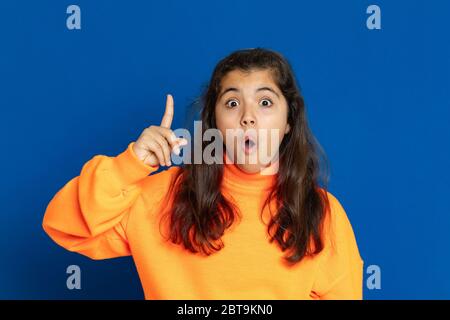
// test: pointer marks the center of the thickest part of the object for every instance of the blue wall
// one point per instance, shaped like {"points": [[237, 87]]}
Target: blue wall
{"points": [[378, 102]]}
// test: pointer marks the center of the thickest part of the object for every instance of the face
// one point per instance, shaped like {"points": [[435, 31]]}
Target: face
{"points": [[251, 103]]}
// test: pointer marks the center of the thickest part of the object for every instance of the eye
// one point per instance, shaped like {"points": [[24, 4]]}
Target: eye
{"points": [[232, 103], [266, 102]]}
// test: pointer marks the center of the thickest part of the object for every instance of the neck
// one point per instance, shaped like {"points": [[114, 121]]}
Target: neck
{"points": [[236, 178]]}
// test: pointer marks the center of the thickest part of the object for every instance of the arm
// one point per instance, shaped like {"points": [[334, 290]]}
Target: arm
{"points": [[89, 214], [340, 271]]}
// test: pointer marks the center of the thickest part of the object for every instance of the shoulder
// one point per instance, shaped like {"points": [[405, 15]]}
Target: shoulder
{"points": [[337, 226], [337, 214]]}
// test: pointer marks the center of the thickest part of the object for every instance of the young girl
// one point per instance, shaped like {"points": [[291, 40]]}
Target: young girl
{"points": [[222, 230]]}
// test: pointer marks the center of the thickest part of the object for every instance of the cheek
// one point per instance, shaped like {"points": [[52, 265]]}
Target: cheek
{"points": [[274, 139], [223, 130], [219, 120], [224, 121], [275, 133], [221, 126]]}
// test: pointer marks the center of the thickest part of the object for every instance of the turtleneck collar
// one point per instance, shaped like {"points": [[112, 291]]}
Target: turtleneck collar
{"points": [[237, 179]]}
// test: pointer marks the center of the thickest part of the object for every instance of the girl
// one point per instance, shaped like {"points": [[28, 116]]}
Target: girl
{"points": [[222, 230]]}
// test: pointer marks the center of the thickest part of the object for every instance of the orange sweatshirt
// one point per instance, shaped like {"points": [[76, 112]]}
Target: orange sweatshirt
{"points": [[113, 208]]}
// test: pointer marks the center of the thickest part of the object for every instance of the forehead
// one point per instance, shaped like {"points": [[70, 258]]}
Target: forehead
{"points": [[254, 78]]}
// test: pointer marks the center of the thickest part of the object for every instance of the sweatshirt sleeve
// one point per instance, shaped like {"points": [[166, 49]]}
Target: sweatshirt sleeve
{"points": [[340, 270], [89, 214]]}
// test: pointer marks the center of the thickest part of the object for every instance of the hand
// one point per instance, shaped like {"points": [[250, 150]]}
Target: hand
{"points": [[154, 145]]}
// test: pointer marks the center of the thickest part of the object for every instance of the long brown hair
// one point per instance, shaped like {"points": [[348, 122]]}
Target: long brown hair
{"points": [[200, 213]]}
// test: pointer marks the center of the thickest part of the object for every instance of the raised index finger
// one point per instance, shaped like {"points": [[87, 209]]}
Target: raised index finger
{"points": [[166, 121]]}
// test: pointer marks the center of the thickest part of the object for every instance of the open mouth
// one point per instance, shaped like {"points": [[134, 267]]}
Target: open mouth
{"points": [[249, 145]]}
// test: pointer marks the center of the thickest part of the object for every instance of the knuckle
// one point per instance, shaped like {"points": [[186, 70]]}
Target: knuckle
{"points": [[147, 131], [153, 144], [167, 131]]}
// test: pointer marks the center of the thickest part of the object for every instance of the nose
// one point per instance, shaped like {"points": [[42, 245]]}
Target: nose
{"points": [[248, 120]]}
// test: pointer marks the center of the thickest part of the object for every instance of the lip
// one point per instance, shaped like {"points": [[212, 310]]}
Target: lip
{"points": [[249, 150]]}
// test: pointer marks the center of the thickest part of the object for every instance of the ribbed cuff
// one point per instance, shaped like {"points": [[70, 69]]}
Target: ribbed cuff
{"points": [[130, 168]]}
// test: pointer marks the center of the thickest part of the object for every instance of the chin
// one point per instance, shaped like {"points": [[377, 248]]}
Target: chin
{"points": [[250, 168]]}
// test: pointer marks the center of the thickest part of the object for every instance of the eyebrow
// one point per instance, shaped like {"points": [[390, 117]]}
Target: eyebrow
{"points": [[257, 90]]}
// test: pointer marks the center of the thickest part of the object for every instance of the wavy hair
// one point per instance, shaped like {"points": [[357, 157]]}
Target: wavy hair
{"points": [[200, 213]]}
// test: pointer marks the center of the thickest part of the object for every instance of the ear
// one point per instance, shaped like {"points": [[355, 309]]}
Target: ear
{"points": [[288, 128]]}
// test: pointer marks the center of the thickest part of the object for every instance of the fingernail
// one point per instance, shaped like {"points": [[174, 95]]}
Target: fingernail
{"points": [[177, 151]]}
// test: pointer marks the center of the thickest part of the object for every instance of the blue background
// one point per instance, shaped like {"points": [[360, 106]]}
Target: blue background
{"points": [[377, 100]]}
